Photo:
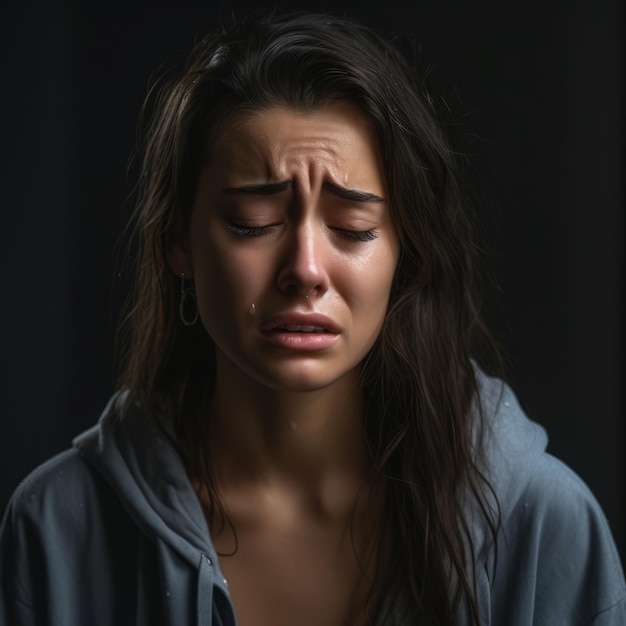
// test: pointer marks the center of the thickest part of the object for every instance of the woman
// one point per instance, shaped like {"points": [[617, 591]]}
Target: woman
{"points": [[302, 436]]}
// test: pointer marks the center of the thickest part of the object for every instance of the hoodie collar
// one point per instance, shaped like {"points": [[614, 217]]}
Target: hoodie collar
{"points": [[148, 476]]}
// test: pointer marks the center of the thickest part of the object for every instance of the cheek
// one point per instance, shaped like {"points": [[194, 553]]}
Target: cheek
{"points": [[226, 286], [379, 287], [367, 285], [373, 270]]}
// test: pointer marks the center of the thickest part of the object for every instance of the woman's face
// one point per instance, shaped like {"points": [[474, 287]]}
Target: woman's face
{"points": [[291, 246]]}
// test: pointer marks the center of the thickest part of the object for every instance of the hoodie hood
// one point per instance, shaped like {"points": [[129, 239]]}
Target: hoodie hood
{"points": [[508, 448], [511, 443], [149, 478]]}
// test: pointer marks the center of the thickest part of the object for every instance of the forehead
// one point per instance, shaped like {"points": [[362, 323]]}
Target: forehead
{"points": [[282, 141]]}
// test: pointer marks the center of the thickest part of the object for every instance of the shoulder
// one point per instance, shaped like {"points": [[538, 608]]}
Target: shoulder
{"points": [[55, 488], [558, 509], [62, 507], [554, 492]]}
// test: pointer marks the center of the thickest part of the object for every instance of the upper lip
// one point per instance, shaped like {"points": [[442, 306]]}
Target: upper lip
{"points": [[314, 320]]}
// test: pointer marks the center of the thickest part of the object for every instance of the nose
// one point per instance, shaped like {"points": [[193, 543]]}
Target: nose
{"points": [[304, 264]]}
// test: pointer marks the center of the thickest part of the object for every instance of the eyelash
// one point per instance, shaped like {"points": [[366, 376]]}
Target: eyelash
{"points": [[247, 231], [357, 235], [257, 231]]}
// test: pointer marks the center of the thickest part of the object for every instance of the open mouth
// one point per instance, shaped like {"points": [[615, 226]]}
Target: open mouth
{"points": [[299, 328], [294, 324], [318, 332]]}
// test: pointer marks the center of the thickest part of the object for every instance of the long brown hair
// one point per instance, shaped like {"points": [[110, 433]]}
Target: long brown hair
{"points": [[419, 380]]}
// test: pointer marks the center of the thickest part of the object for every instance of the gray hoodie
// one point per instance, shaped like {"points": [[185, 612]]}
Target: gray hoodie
{"points": [[110, 532]]}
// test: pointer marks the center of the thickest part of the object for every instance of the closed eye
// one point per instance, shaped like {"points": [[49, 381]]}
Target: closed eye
{"points": [[258, 231], [248, 231], [357, 235]]}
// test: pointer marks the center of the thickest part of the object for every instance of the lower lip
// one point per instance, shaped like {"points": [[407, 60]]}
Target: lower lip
{"points": [[301, 341]]}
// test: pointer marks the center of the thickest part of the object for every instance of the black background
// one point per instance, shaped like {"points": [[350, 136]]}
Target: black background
{"points": [[540, 85]]}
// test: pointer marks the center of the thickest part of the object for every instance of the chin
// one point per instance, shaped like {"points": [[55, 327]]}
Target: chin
{"points": [[298, 384], [305, 379]]}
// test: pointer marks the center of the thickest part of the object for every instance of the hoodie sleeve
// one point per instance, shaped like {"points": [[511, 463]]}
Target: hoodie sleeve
{"points": [[15, 591], [25, 556], [555, 560]]}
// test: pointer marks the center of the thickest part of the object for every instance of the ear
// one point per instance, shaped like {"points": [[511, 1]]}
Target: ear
{"points": [[178, 258]]}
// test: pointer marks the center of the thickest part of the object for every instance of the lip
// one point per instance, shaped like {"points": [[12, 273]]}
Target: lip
{"points": [[301, 331]]}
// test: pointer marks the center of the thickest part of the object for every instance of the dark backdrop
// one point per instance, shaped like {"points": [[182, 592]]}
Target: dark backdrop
{"points": [[540, 84]]}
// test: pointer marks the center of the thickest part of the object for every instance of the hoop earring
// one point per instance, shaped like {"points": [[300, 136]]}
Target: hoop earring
{"points": [[185, 293]]}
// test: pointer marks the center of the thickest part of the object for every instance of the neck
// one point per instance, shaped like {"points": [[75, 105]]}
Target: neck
{"points": [[298, 439]]}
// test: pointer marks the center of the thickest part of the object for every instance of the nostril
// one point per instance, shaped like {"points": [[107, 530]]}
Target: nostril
{"points": [[304, 267]]}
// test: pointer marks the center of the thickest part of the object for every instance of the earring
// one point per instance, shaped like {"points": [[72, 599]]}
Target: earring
{"points": [[187, 293]]}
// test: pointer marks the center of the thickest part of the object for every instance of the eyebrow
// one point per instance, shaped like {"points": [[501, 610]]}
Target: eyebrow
{"points": [[354, 195], [268, 189]]}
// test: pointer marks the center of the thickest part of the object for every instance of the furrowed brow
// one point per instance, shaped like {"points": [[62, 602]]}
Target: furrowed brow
{"points": [[354, 195], [266, 189]]}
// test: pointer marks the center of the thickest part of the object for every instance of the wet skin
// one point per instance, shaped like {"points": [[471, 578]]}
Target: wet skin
{"points": [[290, 215]]}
